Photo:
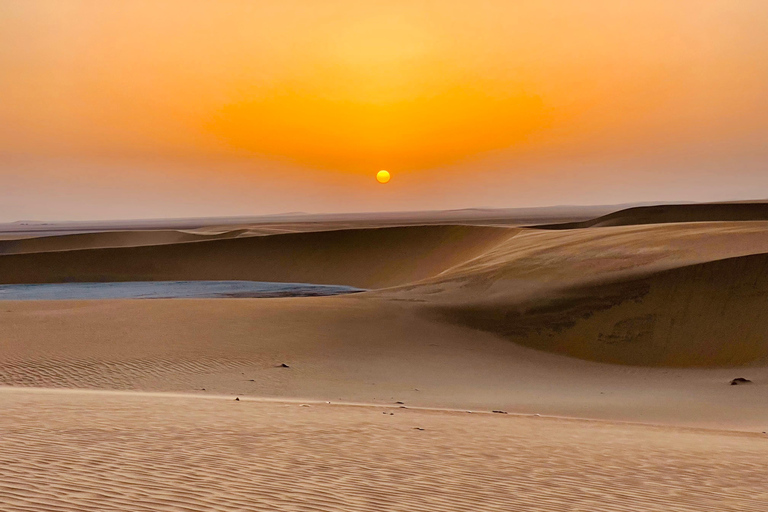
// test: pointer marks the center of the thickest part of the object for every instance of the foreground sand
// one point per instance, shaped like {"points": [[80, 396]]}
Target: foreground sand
{"points": [[100, 451], [352, 348]]}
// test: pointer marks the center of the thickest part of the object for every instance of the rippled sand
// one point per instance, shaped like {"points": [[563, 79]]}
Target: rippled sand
{"points": [[70, 450]]}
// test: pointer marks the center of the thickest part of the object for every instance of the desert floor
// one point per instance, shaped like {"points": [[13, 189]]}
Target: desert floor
{"points": [[609, 343]]}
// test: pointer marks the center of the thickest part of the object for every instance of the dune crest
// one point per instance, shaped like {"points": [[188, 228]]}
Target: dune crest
{"points": [[107, 239], [665, 214], [365, 258]]}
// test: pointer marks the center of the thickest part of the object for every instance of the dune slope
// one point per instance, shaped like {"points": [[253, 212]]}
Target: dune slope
{"points": [[707, 314], [366, 258], [663, 214], [107, 239]]}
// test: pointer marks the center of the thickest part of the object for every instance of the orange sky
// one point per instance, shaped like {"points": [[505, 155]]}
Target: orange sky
{"points": [[188, 108]]}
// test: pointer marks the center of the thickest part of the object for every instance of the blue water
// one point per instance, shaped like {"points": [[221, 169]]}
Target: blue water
{"points": [[168, 290]]}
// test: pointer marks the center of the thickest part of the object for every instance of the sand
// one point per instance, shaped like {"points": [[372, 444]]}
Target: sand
{"points": [[662, 214], [365, 258], [351, 349], [129, 238], [75, 451], [589, 327]]}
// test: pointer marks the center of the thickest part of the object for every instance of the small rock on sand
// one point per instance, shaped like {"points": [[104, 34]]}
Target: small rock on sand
{"points": [[740, 380]]}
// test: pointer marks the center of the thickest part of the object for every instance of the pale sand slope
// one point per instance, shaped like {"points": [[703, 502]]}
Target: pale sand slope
{"points": [[351, 348], [673, 295], [71, 451]]}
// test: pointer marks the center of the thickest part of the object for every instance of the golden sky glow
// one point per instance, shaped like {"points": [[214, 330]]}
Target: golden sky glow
{"points": [[510, 103]]}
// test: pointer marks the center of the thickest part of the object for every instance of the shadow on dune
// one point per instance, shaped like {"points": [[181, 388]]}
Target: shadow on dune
{"points": [[705, 315], [364, 258]]}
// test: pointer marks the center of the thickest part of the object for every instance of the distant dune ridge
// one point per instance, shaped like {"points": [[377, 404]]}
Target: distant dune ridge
{"points": [[367, 258], [106, 239], [709, 212]]}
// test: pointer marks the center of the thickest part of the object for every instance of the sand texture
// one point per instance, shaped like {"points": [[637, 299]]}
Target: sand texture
{"points": [[349, 348], [70, 451], [645, 317]]}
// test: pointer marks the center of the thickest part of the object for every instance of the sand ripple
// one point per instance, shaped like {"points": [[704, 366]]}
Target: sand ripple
{"points": [[135, 374], [67, 451]]}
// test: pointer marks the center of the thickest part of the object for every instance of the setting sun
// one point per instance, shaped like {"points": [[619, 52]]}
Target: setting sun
{"points": [[581, 187]]}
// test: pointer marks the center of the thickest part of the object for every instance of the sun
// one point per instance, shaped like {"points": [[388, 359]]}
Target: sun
{"points": [[382, 176]]}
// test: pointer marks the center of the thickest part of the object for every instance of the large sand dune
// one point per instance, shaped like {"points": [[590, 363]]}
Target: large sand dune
{"points": [[708, 314], [668, 295], [366, 258]]}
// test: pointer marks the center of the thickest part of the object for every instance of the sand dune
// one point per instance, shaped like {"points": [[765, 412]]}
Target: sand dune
{"points": [[535, 258], [107, 239], [650, 296], [662, 214], [708, 314], [298, 221], [681, 295], [366, 258]]}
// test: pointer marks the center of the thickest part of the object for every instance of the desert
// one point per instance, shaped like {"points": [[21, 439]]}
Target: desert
{"points": [[520, 334], [385, 256]]}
